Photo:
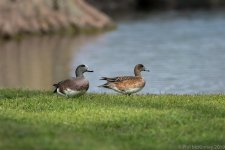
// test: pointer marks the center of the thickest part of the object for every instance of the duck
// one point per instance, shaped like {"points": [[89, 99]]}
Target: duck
{"points": [[74, 86], [126, 84]]}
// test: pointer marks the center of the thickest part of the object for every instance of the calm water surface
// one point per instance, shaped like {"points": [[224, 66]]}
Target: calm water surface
{"points": [[184, 52]]}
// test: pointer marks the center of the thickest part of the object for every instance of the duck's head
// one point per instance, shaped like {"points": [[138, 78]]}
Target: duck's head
{"points": [[82, 69], [138, 68]]}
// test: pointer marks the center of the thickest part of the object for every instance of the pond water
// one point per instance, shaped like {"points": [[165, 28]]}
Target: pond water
{"points": [[185, 53]]}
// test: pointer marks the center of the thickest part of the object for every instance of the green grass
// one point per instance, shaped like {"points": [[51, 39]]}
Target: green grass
{"points": [[41, 120]]}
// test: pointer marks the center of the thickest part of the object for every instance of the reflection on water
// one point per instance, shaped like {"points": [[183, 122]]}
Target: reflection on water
{"points": [[37, 62], [185, 53]]}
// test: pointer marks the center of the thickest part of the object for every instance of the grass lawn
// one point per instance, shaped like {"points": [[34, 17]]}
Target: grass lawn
{"points": [[40, 120]]}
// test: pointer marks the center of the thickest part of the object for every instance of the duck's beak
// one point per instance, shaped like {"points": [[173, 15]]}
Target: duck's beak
{"points": [[90, 71], [146, 70]]}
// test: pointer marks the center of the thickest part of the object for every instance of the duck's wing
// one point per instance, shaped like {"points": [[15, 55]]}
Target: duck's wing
{"points": [[58, 85], [118, 79], [61, 85]]}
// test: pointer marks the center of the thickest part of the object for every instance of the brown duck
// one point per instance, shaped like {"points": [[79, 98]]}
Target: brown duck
{"points": [[126, 84]]}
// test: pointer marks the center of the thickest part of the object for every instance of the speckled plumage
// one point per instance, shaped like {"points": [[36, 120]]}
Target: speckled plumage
{"points": [[126, 84]]}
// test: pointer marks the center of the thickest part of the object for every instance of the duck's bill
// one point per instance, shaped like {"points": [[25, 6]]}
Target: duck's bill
{"points": [[147, 70], [90, 71]]}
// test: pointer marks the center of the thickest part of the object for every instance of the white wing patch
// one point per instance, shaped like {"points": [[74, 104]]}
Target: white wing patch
{"points": [[60, 92], [70, 93]]}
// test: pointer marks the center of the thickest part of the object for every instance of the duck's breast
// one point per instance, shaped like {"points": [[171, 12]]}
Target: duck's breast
{"points": [[80, 84]]}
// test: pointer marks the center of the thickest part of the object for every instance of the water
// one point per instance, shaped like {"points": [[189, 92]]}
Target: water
{"points": [[184, 52], [37, 62]]}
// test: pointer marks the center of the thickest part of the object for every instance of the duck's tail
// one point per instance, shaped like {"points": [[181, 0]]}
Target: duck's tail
{"points": [[103, 78], [106, 85], [56, 86], [109, 79]]}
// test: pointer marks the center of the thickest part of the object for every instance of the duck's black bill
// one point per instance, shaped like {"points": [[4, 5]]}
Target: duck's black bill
{"points": [[147, 70], [90, 71]]}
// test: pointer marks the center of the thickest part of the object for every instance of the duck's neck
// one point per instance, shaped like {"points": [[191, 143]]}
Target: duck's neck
{"points": [[79, 73], [137, 72]]}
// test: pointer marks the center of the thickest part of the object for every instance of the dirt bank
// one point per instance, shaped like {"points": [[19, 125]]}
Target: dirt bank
{"points": [[47, 16]]}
